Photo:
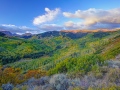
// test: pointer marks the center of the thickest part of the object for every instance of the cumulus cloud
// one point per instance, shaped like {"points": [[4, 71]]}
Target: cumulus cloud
{"points": [[69, 24], [50, 27], [76, 25], [72, 25], [48, 16], [17, 29], [97, 17]]}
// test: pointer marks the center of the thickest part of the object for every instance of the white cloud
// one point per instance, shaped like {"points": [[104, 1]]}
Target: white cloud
{"points": [[8, 25], [72, 25], [50, 27], [48, 16], [94, 16], [69, 24], [17, 29]]}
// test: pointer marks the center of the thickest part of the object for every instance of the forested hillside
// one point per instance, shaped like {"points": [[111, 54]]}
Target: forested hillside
{"points": [[54, 52]]}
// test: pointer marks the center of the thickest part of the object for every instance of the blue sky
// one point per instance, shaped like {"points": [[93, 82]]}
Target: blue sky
{"points": [[36, 16]]}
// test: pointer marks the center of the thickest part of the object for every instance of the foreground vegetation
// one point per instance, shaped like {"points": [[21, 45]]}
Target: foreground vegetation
{"points": [[102, 78]]}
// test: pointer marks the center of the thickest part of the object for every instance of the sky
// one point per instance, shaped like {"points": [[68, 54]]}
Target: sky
{"points": [[37, 16]]}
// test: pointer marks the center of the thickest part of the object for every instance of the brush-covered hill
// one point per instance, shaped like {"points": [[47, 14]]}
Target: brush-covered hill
{"points": [[53, 52], [47, 43]]}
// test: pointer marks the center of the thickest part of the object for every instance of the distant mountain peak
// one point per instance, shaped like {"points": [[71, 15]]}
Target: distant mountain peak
{"points": [[8, 33]]}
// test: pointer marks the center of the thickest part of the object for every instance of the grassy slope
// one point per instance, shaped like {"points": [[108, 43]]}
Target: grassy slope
{"points": [[63, 54]]}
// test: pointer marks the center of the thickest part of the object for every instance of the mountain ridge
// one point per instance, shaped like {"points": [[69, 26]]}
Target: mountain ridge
{"points": [[66, 31], [89, 31]]}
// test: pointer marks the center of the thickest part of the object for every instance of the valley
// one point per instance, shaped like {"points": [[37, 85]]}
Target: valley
{"points": [[57, 54]]}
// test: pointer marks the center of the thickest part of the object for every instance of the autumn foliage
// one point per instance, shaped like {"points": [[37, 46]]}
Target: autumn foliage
{"points": [[15, 76], [35, 73]]}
